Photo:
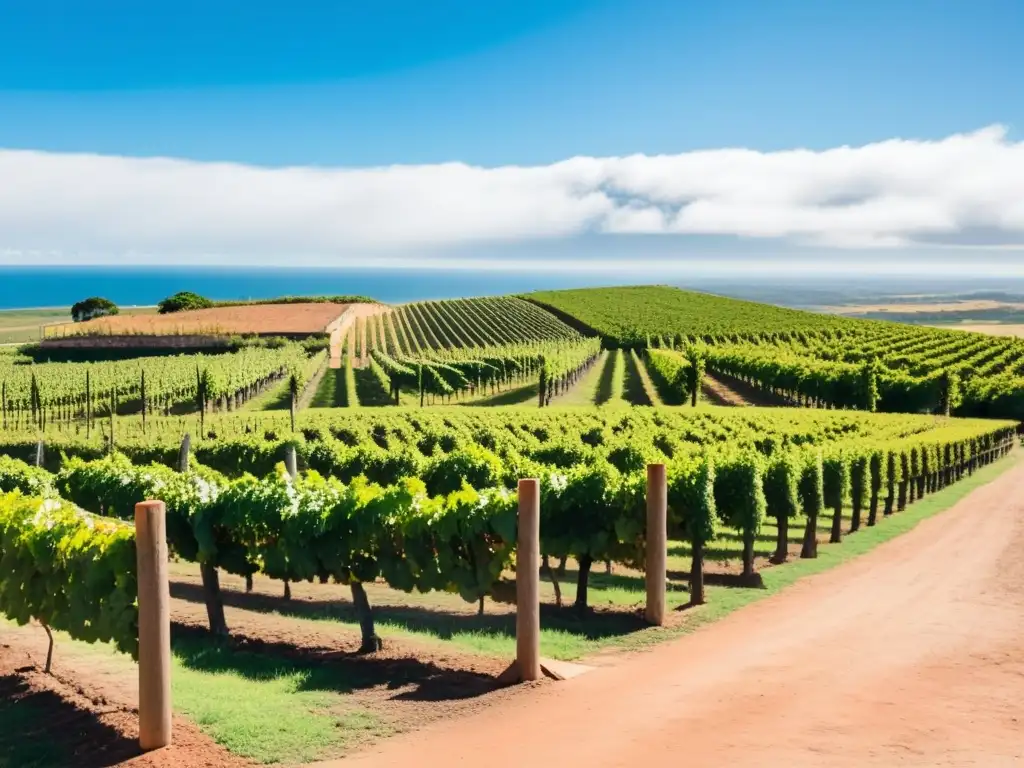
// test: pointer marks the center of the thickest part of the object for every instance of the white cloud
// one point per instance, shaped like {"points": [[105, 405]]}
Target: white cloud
{"points": [[963, 189]]}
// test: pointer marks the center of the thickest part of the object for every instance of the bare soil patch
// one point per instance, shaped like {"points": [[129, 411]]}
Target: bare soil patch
{"points": [[720, 389], [263, 319], [85, 718], [915, 308], [992, 329]]}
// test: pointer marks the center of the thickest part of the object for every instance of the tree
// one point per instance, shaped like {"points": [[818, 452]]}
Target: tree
{"points": [[95, 306], [183, 301]]}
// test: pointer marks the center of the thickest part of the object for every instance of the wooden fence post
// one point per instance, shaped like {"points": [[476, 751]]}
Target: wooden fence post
{"points": [[183, 452], [291, 466], [657, 543], [291, 461], [154, 626], [528, 582]]}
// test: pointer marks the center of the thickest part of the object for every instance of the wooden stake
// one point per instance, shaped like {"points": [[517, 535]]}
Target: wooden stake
{"points": [[528, 581], [183, 452], [154, 626], [143, 398], [113, 407], [88, 406], [657, 543], [291, 462]]}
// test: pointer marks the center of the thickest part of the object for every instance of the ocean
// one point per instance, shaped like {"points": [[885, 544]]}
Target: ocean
{"points": [[30, 287], [33, 287]]}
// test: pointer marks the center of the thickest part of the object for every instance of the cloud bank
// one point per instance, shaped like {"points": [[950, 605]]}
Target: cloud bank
{"points": [[967, 189]]}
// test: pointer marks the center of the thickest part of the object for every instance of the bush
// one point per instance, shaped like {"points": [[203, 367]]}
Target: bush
{"points": [[93, 307], [182, 302]]}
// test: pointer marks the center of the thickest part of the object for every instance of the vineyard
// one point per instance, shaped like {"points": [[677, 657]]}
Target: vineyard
{"points": [[509, 350], [409, 488], [632, 316], [913, 370], [427, 502], [40, 393], [462, 349], [816, 360], [467, 323]]}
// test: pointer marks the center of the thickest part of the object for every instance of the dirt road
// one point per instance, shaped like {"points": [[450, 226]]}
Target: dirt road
{"points": [[911, 655]]}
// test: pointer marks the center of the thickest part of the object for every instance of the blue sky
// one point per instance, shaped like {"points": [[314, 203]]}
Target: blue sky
{"points": [[506, 81], [359, 84]]}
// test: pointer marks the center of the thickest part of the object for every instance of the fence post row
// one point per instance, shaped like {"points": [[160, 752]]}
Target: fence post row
{"points": [[527, 666], [154, 625]]}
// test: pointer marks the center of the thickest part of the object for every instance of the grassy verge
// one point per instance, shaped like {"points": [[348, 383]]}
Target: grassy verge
{"points": [[277, 397], [24, 326], [332, 391], [638, 388], [525, 394], [724, 600], [266, 708], [613, 382]]}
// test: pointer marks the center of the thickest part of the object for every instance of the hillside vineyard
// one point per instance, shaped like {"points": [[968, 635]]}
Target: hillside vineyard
{"points": [[816, 359], [446, 405], [541, 345]]}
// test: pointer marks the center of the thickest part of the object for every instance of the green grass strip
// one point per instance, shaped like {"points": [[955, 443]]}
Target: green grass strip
{"points": [[268, 709]]}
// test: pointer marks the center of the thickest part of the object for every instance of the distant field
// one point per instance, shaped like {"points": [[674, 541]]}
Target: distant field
{"points": [[912, 307], [270, 318], [981, 315], [992, 329], [21, 326]]}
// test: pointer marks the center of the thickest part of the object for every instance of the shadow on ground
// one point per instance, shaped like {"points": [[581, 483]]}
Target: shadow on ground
{"points": [[321, 669], [435, 621], [39, 729]]}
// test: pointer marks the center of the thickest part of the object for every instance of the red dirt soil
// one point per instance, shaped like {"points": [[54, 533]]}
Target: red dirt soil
{"points": [[407, 685], [262, 319], [89, 714], [910, 655], [719, 389]]}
